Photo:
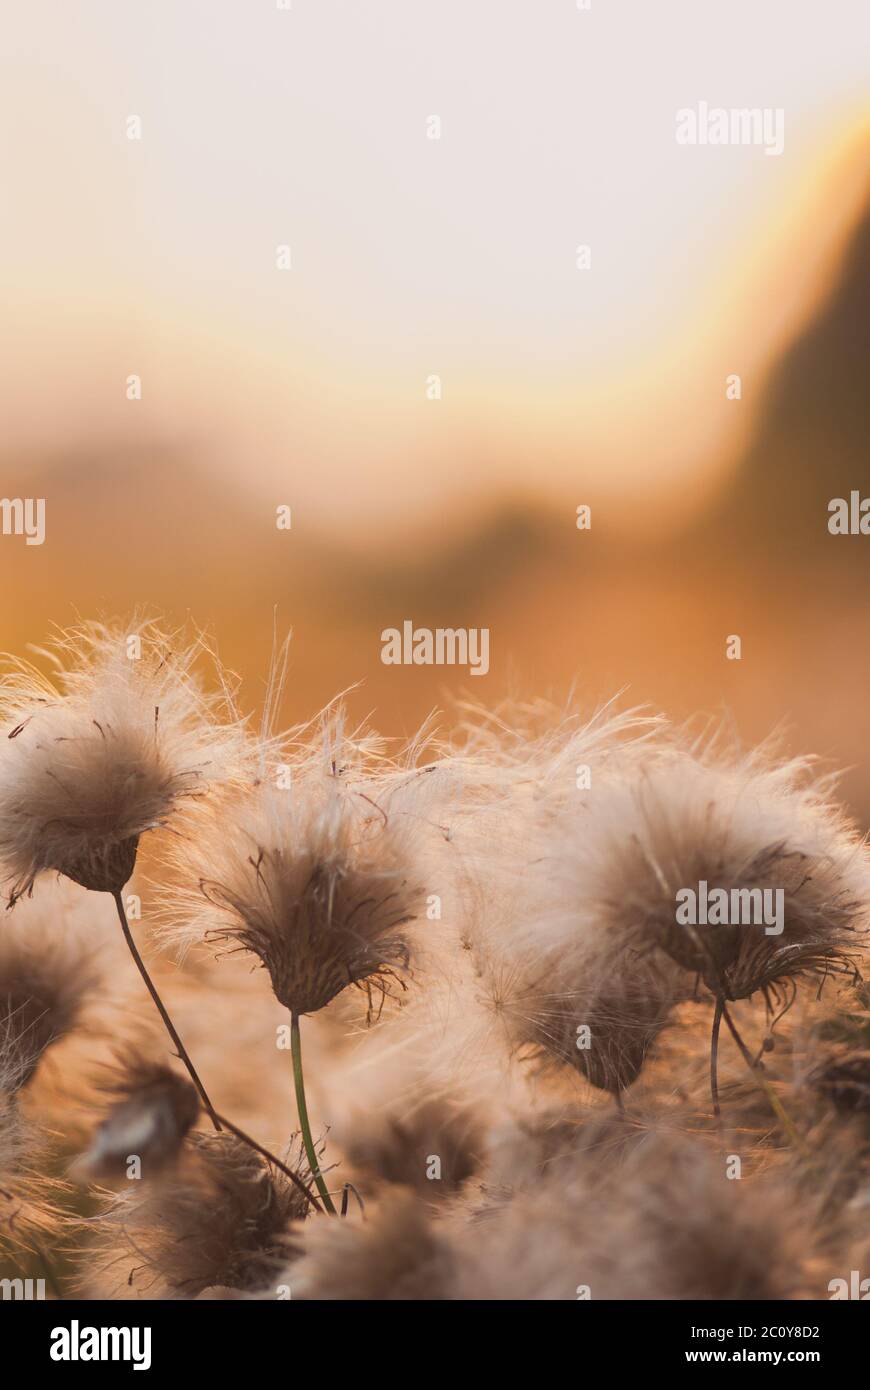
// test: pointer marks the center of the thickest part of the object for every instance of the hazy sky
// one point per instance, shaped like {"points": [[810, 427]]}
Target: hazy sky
{"points": [[413, 256]]}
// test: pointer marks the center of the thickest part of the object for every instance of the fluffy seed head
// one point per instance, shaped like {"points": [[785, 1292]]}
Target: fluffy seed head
{"points": [[154, 1110], [586, 959], [393, 1146], [101, 753], [843, 1078], [45, 979], [735, 824], [315, 882], [220, 1219], [660, 1221], [396, 1254]]}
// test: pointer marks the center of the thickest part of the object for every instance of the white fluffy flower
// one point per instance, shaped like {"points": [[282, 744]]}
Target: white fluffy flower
{"points": [[102, 752]]}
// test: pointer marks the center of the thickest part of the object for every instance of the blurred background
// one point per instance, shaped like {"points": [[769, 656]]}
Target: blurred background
{"points": [[308, 128]]}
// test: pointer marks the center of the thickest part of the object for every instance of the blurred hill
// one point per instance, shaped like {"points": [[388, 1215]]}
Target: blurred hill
{"points": [[150, 524], [811, 440]]}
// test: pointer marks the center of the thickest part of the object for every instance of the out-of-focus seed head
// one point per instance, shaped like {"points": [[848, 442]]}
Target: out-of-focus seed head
{"points": [[106, 750], [153, 1112]]}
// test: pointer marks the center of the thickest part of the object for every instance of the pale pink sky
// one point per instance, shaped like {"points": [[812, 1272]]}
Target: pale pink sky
{"points": [[263, 126]]}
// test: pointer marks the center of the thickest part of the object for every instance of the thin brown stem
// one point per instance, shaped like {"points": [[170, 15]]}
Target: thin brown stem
{"points": [[732, 1028], [345, 1192], [220, 1122], [169, 1025], [714, 1055]]}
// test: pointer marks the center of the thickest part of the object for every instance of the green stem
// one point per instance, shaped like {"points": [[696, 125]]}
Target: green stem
{"points": [[304, 1123]]}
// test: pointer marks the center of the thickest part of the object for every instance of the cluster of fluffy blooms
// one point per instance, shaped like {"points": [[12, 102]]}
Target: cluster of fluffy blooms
{"points": [[527, 1041]]}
